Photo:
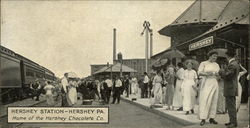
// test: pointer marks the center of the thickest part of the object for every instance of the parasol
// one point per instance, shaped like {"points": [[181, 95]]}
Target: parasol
{"points": [[221, 52], [160, 63], [173, 53]]}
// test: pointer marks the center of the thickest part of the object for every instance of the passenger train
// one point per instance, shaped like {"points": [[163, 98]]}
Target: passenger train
{"points": [[16, 74]]}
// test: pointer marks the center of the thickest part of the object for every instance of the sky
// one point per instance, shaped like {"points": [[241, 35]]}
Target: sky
{"points": [[66, 36]]}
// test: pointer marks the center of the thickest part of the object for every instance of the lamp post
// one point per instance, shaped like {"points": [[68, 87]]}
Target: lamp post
{"points": [[111, 74], [147, 30]]}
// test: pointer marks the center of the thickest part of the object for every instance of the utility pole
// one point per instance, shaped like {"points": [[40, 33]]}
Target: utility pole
{"points": [[146, 26], [151, 43], [120, 60]]}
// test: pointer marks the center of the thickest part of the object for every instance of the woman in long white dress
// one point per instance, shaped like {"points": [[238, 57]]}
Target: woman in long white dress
{"points": [[188, 88], [72, 91], [134, 85], [177, 101], [238, 98], [209, 89], [157, 88], [49, 93], [170, 78]]}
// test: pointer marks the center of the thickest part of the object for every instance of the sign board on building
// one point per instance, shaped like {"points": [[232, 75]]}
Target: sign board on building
{"points": [[202, 43]]}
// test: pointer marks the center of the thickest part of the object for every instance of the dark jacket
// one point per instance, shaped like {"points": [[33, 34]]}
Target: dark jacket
{"points": [[230, 75]]}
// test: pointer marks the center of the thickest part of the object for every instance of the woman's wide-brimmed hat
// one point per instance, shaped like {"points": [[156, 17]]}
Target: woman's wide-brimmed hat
{"points": [[72, 75], [194, 62]]}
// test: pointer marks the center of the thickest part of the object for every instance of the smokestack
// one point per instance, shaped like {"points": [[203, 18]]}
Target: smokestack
{"points": [[114, 45], [151, 43]]}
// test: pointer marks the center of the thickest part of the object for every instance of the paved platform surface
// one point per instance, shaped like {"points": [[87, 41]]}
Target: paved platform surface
{"points": [[190, 120], [123, 115]]}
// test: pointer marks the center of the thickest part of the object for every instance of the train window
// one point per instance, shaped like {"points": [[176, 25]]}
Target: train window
{"points": [[29, 72], [39, 75]]}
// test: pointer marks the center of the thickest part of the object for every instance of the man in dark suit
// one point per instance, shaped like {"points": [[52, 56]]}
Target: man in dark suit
{"points": [[126, 85], [229, 74]]}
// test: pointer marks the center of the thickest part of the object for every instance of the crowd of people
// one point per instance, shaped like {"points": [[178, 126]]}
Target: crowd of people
{"points": [[214, 86]]}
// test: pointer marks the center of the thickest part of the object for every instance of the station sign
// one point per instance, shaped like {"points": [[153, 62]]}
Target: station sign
{"points": [[202, 43]]}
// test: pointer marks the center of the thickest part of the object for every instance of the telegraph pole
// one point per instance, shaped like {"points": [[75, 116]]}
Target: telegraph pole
{"points": [[146, 26]]}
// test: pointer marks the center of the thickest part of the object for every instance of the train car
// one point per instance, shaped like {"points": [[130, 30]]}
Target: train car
{"points": [[10, 75], [17, 73]]}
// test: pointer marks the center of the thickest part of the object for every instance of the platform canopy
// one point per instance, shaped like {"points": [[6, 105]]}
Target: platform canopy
{"points": [[115, 68]]}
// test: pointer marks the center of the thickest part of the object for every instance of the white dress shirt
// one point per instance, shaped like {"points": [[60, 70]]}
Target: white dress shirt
{"points": [[146, 79], [118, 83], [64, 83], [109, 82]]}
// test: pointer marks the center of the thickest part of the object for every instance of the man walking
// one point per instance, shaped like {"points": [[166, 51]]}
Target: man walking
{"points": [[117, 90], [64, 90], [126, 85], [104, 89], [109, 89], [229, 74]]}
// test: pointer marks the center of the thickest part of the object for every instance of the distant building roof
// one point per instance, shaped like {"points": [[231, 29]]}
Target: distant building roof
{"points": [[115, 68]]}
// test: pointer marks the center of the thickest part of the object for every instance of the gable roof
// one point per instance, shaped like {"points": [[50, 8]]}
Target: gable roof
{"points": [[115, 68]]}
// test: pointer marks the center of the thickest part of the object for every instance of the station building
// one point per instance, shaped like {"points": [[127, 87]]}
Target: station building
{"points": [[208, 25]]}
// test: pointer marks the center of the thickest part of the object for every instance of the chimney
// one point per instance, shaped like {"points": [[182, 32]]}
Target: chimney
{"points": [[151, 43], [114, 45]]}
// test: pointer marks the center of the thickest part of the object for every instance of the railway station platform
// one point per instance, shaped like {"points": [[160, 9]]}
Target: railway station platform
{"points": [[190, 120], [25, 102]]}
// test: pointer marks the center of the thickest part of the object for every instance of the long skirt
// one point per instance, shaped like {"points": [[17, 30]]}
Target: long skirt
{"points": [[188, 96], [157, 93], [138, 93], [177, 100], [65, 100], [164, 95], [134, 88], [169, 94], [208, 98], [238, 98], [72, 95], [221, 107], [50, 100]]}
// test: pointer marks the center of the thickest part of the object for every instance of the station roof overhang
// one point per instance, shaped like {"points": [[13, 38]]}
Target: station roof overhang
{"points": [[202, 13], [233, 23], [171, 30]]}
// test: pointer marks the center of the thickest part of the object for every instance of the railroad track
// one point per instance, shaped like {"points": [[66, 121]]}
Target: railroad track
{"points": [[19, 124], [37, 104]]}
